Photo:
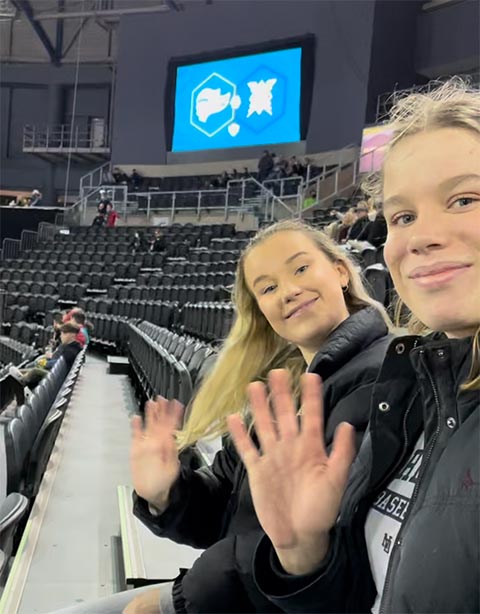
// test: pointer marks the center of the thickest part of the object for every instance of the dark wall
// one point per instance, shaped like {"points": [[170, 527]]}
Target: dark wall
{"points": [[448, 39], [392, 59], [40, 95], [343, 37]]}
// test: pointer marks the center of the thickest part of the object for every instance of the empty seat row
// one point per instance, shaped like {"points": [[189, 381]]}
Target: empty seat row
{"points": [[167, 364], [208, 320], [31, 334], [13, 351], [67, 291]]}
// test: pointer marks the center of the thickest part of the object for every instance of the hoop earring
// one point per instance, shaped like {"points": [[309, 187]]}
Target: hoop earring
{"points": [[345, 288]]}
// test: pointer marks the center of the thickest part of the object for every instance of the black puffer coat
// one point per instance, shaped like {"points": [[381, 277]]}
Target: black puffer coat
{"points": [[434, 566], [212, 508]]}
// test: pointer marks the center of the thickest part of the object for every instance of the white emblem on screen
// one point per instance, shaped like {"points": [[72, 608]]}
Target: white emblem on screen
{"points": [[260, 97], [209, 102]]}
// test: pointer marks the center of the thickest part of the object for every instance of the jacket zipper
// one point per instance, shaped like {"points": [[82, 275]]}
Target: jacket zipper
{"points": [[398, 541]]}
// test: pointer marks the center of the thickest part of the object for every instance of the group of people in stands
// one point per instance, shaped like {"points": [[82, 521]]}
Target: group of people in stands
{"points": [[106, 214], [349, 478], [71, 333], [363, 222], [141, 243], [34, 200], [271, 166]]}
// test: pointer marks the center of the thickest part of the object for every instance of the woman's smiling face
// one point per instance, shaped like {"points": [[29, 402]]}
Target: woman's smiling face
{"points": [[432, 207]]}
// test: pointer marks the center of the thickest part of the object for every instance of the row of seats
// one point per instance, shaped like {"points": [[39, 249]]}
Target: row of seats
{"points": [[220, 282], [28, 434], [13, 351], [210, 321], [176, 229], [166, 363], [31, 334], [34, 302], [66, 291]]}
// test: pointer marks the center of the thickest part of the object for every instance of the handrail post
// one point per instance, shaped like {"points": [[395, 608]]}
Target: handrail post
{"points": [[62, 133], [76, 137], [174, 195], [199, 203], [243, 191], [48, 136], [149, 198], [226, 203]]}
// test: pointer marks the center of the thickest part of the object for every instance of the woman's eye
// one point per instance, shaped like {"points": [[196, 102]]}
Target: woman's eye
{"points": [[402, 219], [301, 269], [268, 289], [464, 201]]}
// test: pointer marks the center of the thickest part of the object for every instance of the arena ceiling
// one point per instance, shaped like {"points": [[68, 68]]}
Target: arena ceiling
{"points": [[58, 31]]}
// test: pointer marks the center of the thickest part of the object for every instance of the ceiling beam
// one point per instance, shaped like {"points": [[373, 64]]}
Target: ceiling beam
{"points": [[59, 33], [107, 13], [26, 8]]}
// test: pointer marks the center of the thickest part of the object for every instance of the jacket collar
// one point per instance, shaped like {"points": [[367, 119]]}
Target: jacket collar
{"points": [[349, 338]]}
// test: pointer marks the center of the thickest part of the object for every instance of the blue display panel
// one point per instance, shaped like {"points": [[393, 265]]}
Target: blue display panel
{"points": [[240, 101]]}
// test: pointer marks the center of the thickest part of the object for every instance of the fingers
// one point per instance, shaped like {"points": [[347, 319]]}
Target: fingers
{"points": [[283, 403], [243, 442], [264, 426], [312, 406], [343, 452], [137, 428]]}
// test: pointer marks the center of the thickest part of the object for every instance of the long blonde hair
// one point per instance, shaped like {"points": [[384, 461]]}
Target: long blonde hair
{"points": [[253, 348], [452, 105]]}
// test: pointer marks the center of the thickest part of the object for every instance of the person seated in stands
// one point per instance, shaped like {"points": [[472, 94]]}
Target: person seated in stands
{"points": [[139, 242], [36, 199], [375, 232], [111, 215], [57, 323], [300, 305], [158, 243], [346, 224], [119, 176], [362, 220], [13, 202], [68, 350], [394, 528], [99, 220], [79, 319], [246, 174], [235, 175], [223, 180]]}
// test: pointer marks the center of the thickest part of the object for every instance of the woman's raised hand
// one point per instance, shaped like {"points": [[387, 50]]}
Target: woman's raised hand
{"points": [[153, 454], [296, 486]]}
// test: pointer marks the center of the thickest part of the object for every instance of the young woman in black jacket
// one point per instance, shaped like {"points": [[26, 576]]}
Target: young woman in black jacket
{"points": [[399, 529], [300, 304]]}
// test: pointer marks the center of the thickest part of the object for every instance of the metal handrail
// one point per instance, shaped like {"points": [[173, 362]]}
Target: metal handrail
{"points": [[63, 137], [28, 239], [10, 249]]}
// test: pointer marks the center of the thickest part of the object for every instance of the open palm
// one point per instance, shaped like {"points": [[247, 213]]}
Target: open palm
{"points": [[296, 487], [153, 453]]}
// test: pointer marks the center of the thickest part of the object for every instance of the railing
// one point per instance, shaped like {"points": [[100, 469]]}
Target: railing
{"points": [[46, 231], [28, 239], [10, 249], [95, 178], [195, 201], [64, 137]]}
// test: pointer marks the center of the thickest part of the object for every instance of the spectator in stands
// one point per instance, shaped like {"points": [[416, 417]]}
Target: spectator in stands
{"points": [[111, 215], [235, 175], [136, 180], [119, 176], [300, 302], [139, 243], [347, 222], [246, 173], [223, 180], [68, 350], [79, 319], [375, 232], [265, 166], [36, 199], [57, 323], [99, 220], [158, 243], [362, 220], [13, 202], [378, 536]]}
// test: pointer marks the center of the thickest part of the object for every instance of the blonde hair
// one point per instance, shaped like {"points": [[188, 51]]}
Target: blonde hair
{"points": [[253, 348], [454, 104]]}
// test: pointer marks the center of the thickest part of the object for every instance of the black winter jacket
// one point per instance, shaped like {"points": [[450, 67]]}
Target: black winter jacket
{"points": [[212, 508], [434, 565]]}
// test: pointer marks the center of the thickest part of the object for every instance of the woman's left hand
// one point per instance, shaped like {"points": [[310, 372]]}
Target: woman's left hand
{"points": [[145, 603]]}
